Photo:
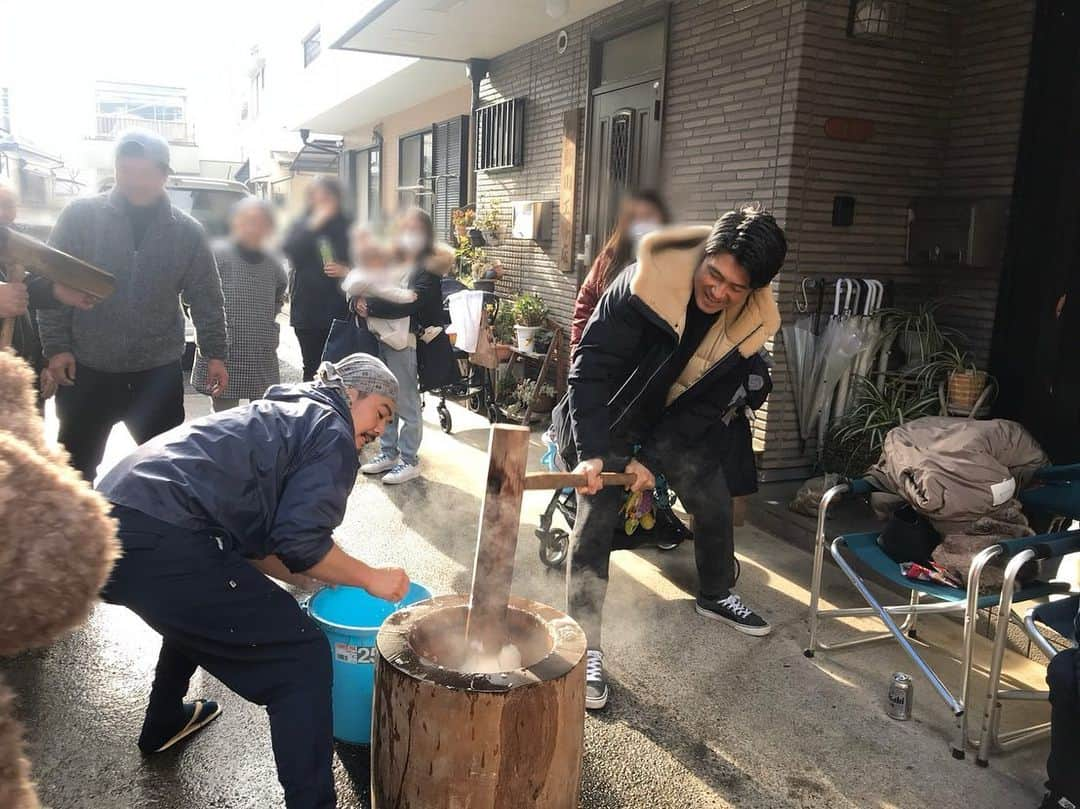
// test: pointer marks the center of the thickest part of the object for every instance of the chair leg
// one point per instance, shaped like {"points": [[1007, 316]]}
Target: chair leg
{"points": [[1001, 632], [971, 615], [910, 625], [819, 558]]}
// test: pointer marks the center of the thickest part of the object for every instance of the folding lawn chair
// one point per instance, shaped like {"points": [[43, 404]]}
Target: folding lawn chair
{"points": [[1056, 496], [863, 550]]}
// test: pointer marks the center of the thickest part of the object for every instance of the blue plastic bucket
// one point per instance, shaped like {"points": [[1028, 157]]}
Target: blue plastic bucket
{"points": [[351, 619]]}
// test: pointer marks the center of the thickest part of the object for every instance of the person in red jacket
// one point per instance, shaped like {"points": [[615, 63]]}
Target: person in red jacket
{"points": [[640, 212]]}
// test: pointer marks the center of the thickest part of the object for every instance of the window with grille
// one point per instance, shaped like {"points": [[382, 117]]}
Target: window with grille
{"points": [[312, 46], [500, 135]]}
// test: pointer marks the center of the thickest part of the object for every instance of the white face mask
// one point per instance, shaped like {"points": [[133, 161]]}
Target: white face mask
{"points": [[411, 241], [638, 230]]}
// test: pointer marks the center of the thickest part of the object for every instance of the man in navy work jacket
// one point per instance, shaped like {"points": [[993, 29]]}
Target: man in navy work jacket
{"points": [[209, 507], [671, 347]]}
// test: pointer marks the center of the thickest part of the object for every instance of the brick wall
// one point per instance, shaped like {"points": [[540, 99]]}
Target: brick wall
{"points": [[749, 86]]}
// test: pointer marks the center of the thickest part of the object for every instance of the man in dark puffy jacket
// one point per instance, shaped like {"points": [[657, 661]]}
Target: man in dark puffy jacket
{"points": [[202, 509], [669, 351]]}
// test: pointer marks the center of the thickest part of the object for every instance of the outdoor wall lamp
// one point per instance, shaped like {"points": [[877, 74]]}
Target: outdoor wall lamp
{"points": [[875, 19]]}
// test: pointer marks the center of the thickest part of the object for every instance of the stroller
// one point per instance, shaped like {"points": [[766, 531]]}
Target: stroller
{"points": [[666, 533], [475, 385]]}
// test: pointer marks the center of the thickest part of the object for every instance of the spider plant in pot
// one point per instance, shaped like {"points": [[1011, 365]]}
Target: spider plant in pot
{"points": [[964, 382], [855, 443], [530, 312], [917, 333]]}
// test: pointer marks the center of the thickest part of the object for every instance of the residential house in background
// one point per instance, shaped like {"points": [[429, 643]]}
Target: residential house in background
{"points": [[852, 120]]}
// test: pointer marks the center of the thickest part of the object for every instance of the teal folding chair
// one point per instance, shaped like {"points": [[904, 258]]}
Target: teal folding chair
{"points": [[1055, 493], [861, 551]]}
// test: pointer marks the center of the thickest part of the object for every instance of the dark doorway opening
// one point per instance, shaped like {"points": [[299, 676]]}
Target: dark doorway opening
{"points": [[1036, 346]]}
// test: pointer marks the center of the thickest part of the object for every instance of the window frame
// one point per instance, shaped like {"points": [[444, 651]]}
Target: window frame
{"points": [[423, 185]]}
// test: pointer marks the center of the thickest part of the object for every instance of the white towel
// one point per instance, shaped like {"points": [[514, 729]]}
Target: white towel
{"points": [[466, 315]]}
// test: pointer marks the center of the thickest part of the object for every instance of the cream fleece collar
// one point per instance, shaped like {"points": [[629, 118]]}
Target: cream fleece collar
{"points": [[664, 281]]}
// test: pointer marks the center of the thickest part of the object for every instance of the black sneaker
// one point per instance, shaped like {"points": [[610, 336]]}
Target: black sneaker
{"points": [[197, 715], [596, 687], [734, 612], [1052, 801]]}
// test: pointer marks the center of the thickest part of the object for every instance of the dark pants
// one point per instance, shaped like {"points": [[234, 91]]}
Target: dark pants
{"points": [[148, 402], [1063, 776], [214, 609], [312, 342], [704, 493]]}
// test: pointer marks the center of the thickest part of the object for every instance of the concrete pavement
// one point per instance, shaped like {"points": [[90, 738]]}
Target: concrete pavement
{"points": [[700, 716]]}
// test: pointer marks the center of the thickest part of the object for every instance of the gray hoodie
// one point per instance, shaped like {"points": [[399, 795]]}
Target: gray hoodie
{"points": [[140, 325]]}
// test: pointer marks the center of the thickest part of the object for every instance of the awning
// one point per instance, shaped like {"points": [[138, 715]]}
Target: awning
{"points": [[320, 156], [30, 155], [459, 30]]}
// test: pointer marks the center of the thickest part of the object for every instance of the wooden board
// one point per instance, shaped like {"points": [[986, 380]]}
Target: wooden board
{"points": [[568, 189], [500, 519], [38, 258]]}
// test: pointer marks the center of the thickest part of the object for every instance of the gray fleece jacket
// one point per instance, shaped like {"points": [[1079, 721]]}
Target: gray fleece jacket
{"points": [[140, 325]]}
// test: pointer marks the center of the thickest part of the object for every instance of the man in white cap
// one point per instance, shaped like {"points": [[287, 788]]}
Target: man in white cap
{"points": [[121, 360], [202, 510]]}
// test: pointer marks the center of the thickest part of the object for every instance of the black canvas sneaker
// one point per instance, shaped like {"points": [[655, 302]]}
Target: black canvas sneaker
{"points": [[596, 687], [734, 612]]}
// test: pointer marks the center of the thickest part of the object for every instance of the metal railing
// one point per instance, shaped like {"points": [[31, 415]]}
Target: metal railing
{"points": [[109, 126]]}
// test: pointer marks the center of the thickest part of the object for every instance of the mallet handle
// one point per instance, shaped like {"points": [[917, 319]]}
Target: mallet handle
{"points": [[561, 480]]}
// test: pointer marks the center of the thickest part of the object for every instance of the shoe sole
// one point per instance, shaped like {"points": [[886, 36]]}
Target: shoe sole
{"points": [[187, 731], [378, 471], [595, 704], [755, 631], [399, 482]]}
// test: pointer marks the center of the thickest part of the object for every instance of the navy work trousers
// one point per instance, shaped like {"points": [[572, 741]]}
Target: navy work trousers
{"points": [[214, 609]]}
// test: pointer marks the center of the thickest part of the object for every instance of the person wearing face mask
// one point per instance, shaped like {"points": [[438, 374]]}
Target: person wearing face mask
{"points": [[398, 459], [317, 247], [639, 214], [661, 362]]}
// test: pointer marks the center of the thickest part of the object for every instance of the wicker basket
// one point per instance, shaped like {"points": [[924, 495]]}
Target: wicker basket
{"points": [[965, 387]]}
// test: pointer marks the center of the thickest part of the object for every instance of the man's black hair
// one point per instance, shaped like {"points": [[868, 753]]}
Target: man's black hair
{"points": [[752, 237]]}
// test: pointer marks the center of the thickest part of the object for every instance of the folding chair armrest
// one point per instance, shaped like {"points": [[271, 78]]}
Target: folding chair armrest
{"points": [[1044, 546], [1062, 472]]}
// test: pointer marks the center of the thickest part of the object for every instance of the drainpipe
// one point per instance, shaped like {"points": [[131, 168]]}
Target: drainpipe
{"points": [[477, 71]]}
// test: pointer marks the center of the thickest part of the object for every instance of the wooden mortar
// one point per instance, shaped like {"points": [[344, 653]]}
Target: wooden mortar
{"points": [[443, 738]]}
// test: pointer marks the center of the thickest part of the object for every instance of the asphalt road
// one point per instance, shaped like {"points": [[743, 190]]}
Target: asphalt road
{"points": [[700, 716]]}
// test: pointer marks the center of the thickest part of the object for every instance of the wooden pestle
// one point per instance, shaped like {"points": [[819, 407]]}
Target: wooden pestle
{"points": [[560, 480], [500, 520]]}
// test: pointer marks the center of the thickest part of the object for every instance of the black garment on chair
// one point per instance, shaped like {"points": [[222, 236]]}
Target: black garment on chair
{"points": [[436, 364], [908, 537]]}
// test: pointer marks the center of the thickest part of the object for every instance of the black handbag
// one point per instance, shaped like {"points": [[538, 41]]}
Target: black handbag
{"points": [[436, 364], [349, 337]]}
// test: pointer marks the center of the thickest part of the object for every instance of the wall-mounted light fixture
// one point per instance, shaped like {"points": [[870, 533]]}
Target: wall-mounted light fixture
{"points": [[876, 19]]}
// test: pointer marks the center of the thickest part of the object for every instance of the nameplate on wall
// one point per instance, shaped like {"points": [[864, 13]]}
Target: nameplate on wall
{"points": [[568, 189]]}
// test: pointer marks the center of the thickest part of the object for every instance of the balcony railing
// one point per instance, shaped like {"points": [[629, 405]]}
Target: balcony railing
{"points": [[109, 126]]}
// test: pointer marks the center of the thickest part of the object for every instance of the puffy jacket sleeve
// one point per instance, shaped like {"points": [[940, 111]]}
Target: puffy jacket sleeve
{"points": [[312, 503], [608, 344], [588, 297]]}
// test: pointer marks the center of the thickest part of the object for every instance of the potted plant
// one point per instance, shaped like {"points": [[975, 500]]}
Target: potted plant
{"points": [[530, 312], [463, 219], [488, 225], [964, 382], [506, 389], [917, 333], [541, 396], [503, 332]]}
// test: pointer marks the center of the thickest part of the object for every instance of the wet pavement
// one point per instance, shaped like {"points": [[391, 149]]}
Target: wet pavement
{"points": [[700, 716]]}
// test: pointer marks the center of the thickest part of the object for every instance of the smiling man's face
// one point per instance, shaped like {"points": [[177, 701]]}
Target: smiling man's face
{"points": [[720, 283]]}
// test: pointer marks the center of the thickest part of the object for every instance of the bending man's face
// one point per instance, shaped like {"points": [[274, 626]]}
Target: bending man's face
{"points": [[370, 415], [720, 282]]}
